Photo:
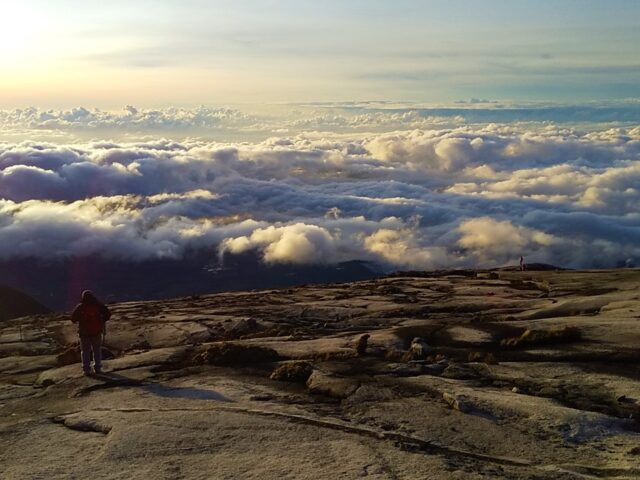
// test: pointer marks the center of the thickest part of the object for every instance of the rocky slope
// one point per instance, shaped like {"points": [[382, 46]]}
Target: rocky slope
{"points": [[463, 375], [14, 304]]}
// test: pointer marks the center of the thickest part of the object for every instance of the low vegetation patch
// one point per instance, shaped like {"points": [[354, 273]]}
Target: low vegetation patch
{"points": [[394, 355], [296, 371], [229, 354], [535, 337], [335, 355], [405, 356], [483, 357]]}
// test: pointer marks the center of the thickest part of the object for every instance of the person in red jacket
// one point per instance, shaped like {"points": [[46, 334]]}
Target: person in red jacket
{"points": [[91, 316]]}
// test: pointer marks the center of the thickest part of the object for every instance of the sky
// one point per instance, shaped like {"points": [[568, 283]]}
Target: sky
{"points": [[64, 53], [411, 134]]}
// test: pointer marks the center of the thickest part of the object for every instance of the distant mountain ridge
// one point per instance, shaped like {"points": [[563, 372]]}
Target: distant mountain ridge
{"points": [[14, 304], [58, 284]]}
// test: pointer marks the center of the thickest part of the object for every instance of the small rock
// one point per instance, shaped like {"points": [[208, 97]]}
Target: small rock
{"points": [[418, 350], [361, 346], [371, 393], [549, 391], [458, 402], [76, 422], [515, 390], [336, 387]]}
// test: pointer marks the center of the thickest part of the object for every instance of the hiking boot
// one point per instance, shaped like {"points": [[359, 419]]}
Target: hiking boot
{"points": [[87, 373], [98, 370]]}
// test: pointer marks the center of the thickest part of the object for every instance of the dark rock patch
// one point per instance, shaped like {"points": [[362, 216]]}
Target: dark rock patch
{"points": [[230, 354], [296, 371]]}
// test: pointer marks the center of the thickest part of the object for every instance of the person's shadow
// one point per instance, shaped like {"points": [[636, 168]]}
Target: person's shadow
{"points": [[178, 392], [112, 379], [115, 379]]}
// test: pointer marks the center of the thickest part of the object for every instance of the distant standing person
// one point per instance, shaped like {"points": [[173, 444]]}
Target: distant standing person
{"points": [[91, 316], [523, 267]]}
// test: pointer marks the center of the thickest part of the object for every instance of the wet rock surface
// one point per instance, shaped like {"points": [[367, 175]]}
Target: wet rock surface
{"points": [[501, 374]]}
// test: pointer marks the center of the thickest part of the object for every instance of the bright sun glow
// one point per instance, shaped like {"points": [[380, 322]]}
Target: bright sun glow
{"points": [[20, 32]]}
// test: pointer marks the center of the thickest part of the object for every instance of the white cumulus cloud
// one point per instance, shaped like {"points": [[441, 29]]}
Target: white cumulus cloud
{"points": [[414, 198]]}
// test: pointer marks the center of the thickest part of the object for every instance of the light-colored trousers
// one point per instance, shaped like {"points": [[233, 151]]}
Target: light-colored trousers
{"points": [[91, 347]]}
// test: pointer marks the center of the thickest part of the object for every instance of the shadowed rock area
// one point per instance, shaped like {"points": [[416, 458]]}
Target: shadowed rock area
{"points": [[14, 304], [448, 375]]}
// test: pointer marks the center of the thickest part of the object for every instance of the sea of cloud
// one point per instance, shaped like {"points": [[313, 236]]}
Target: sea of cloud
{"points": [[401, 188], [131, 123]]}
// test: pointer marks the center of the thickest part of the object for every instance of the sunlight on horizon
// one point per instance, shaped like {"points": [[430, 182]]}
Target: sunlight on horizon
{"points": [[69, 53], [20, 34]]}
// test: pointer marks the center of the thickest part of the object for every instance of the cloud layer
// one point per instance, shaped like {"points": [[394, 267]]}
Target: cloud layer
{"points": [[232, 124], [416, 198]]}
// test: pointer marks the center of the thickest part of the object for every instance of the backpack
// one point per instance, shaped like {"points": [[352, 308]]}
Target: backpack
{"points": [[91, 323]]}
